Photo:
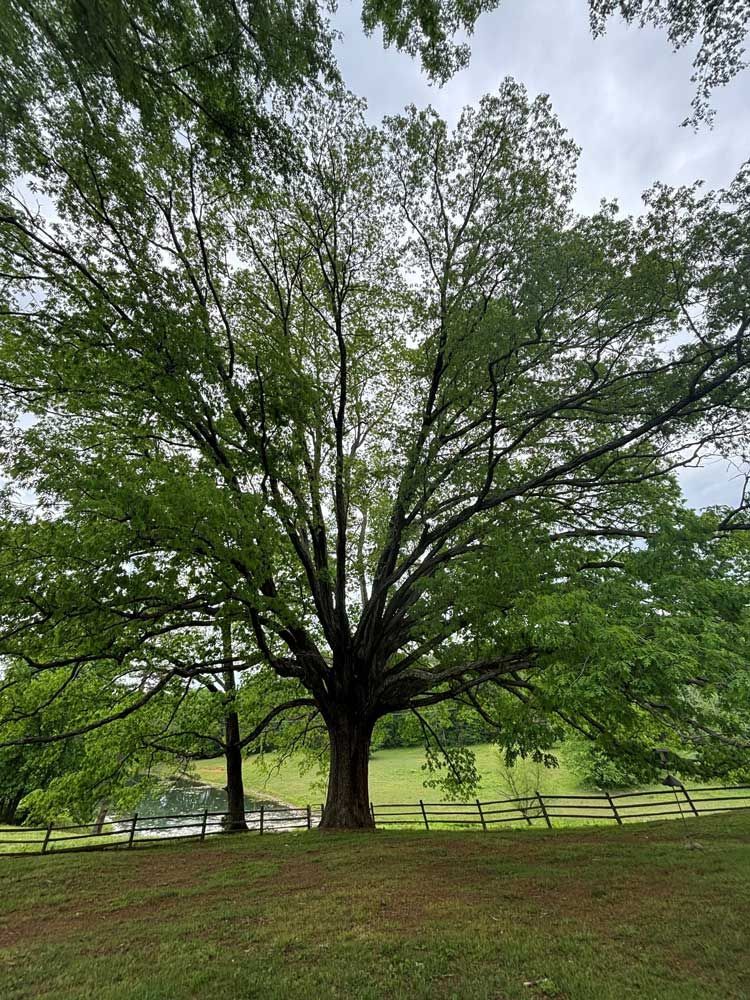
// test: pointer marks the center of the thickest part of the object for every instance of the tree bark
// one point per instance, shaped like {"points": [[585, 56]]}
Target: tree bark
{"points": [[235, 820], [347, 804], [9, 808], [101, 815]]}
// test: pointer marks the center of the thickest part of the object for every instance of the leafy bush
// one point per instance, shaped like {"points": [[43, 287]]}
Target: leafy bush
{"points": [[595, 767]]}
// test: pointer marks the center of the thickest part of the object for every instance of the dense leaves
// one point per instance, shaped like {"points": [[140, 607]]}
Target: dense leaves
{"points": [[397, 418], [75, 779]]}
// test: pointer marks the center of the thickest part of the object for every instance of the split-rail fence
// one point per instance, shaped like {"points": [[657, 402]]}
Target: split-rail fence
{"points": [[526, 810]]}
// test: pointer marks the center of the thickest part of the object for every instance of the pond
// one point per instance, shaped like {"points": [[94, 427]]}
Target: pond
{"points": [[189, 796], [171, 807]]}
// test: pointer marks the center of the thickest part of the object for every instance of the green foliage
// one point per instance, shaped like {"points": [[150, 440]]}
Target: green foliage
{"points": [[397, 419], [453, 770], [597, 769], [455, 725], [210, 67], [426, 28], [69, 780], [646, 656]]}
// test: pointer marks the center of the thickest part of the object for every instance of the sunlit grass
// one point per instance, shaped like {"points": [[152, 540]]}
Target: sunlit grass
{"points": [[395, 776]]}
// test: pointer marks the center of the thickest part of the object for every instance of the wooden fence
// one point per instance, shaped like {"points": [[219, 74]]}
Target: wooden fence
{"points": [[126, 833], [526, 810], [545, 809]]}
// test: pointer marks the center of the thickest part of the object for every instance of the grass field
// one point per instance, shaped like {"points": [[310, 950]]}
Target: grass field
{"points": [[395, 776], [631, 913], [19, 840]]}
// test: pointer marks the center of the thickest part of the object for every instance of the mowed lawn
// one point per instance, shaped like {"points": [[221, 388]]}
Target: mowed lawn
{"points": [[395, 776], [632, 912]]}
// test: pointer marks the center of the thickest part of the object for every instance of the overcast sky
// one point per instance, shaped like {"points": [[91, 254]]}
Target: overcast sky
{"points": [[621, 97]]}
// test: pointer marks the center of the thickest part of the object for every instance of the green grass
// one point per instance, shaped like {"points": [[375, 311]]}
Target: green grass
{"points": [[30, 840], [630, 913], [395, 776], [19, 840]]}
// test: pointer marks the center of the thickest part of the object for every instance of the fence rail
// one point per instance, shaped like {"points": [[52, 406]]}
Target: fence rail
{"points": [[544, 809], [137, 830], [523, 811]]}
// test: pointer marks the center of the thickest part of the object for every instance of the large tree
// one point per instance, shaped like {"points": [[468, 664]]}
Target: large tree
{"points": [[386, 411]]}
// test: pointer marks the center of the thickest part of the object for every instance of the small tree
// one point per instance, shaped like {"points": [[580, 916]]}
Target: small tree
{"points": [[224, 713]]}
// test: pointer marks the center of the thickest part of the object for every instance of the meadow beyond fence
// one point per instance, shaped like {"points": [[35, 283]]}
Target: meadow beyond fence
{"points": [[528, 810]]}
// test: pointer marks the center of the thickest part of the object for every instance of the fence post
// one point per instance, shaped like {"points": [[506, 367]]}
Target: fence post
{"points": [[481, 815], [424, 815], [524, 812], [372, 813], [690, 801], [542, 806], [262, 812], [47, 835], [309, 818], [205, 822], [614, 808], [132, 830]]}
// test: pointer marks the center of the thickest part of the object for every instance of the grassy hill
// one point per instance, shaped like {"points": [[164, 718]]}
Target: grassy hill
{"points": [[609, 914], [395, 776]]}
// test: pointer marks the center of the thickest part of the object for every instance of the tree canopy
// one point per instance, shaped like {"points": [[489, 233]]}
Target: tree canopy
{"points": [[228, 59], [398, 416]]}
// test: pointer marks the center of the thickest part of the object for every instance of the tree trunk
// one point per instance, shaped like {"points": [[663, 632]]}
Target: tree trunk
{"points": [[348, 801], [99, 821], [9, 808], [235, 820]]}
